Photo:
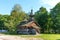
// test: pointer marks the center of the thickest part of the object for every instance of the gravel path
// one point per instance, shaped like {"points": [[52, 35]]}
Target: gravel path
{"points": [[10, 37]]}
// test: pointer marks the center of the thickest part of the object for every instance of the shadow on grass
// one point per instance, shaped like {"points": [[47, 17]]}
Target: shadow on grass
{"points": [[10, 33]]}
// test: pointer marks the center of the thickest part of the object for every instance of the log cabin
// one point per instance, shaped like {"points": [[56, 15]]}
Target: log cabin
{"points": [[29, 26]]}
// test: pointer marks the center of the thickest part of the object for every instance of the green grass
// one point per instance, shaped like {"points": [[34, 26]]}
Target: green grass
{"points": [[44, 36], [52, 36]]}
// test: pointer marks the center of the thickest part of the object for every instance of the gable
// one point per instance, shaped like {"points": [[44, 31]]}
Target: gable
{"points": [[33, 24]]}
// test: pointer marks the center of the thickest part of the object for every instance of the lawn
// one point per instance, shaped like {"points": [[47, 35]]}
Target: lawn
{"points": [[44, 36], [51, 36]]}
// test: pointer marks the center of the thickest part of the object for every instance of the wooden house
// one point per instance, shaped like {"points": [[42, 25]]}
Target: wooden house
{"points": [[29, 26]]}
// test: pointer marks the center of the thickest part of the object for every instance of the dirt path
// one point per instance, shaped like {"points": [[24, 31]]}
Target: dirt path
{"points": [[10, 37]]}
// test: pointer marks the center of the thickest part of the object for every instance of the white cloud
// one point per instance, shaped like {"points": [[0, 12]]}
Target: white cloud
{"points": [[49, 3]]}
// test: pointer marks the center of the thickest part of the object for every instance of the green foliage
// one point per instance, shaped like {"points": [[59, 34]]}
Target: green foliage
{"points": [[11, 21], [55, 14], [17, 15], [3, 19], [48, 21], [41, 17]]}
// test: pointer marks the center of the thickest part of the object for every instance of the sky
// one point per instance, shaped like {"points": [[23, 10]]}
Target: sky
{"points": [[7, 5]]}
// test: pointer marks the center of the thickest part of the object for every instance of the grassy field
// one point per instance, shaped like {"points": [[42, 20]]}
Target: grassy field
{"points": [[44, 36], [51, 36]]}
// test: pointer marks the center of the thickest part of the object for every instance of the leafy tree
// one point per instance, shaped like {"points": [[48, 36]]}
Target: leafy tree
{"points": [[41, 17], [17, 15], [55, 14], [3, 19], [10, 22]]}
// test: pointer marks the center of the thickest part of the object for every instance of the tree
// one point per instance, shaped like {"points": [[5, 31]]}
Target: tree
{"points": [[55, 14], [41, 17], [17, 8], [3, 19], [17, 15]]}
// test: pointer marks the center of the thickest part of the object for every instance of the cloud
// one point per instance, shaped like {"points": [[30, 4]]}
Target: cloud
{"points": [[49, 3]]}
